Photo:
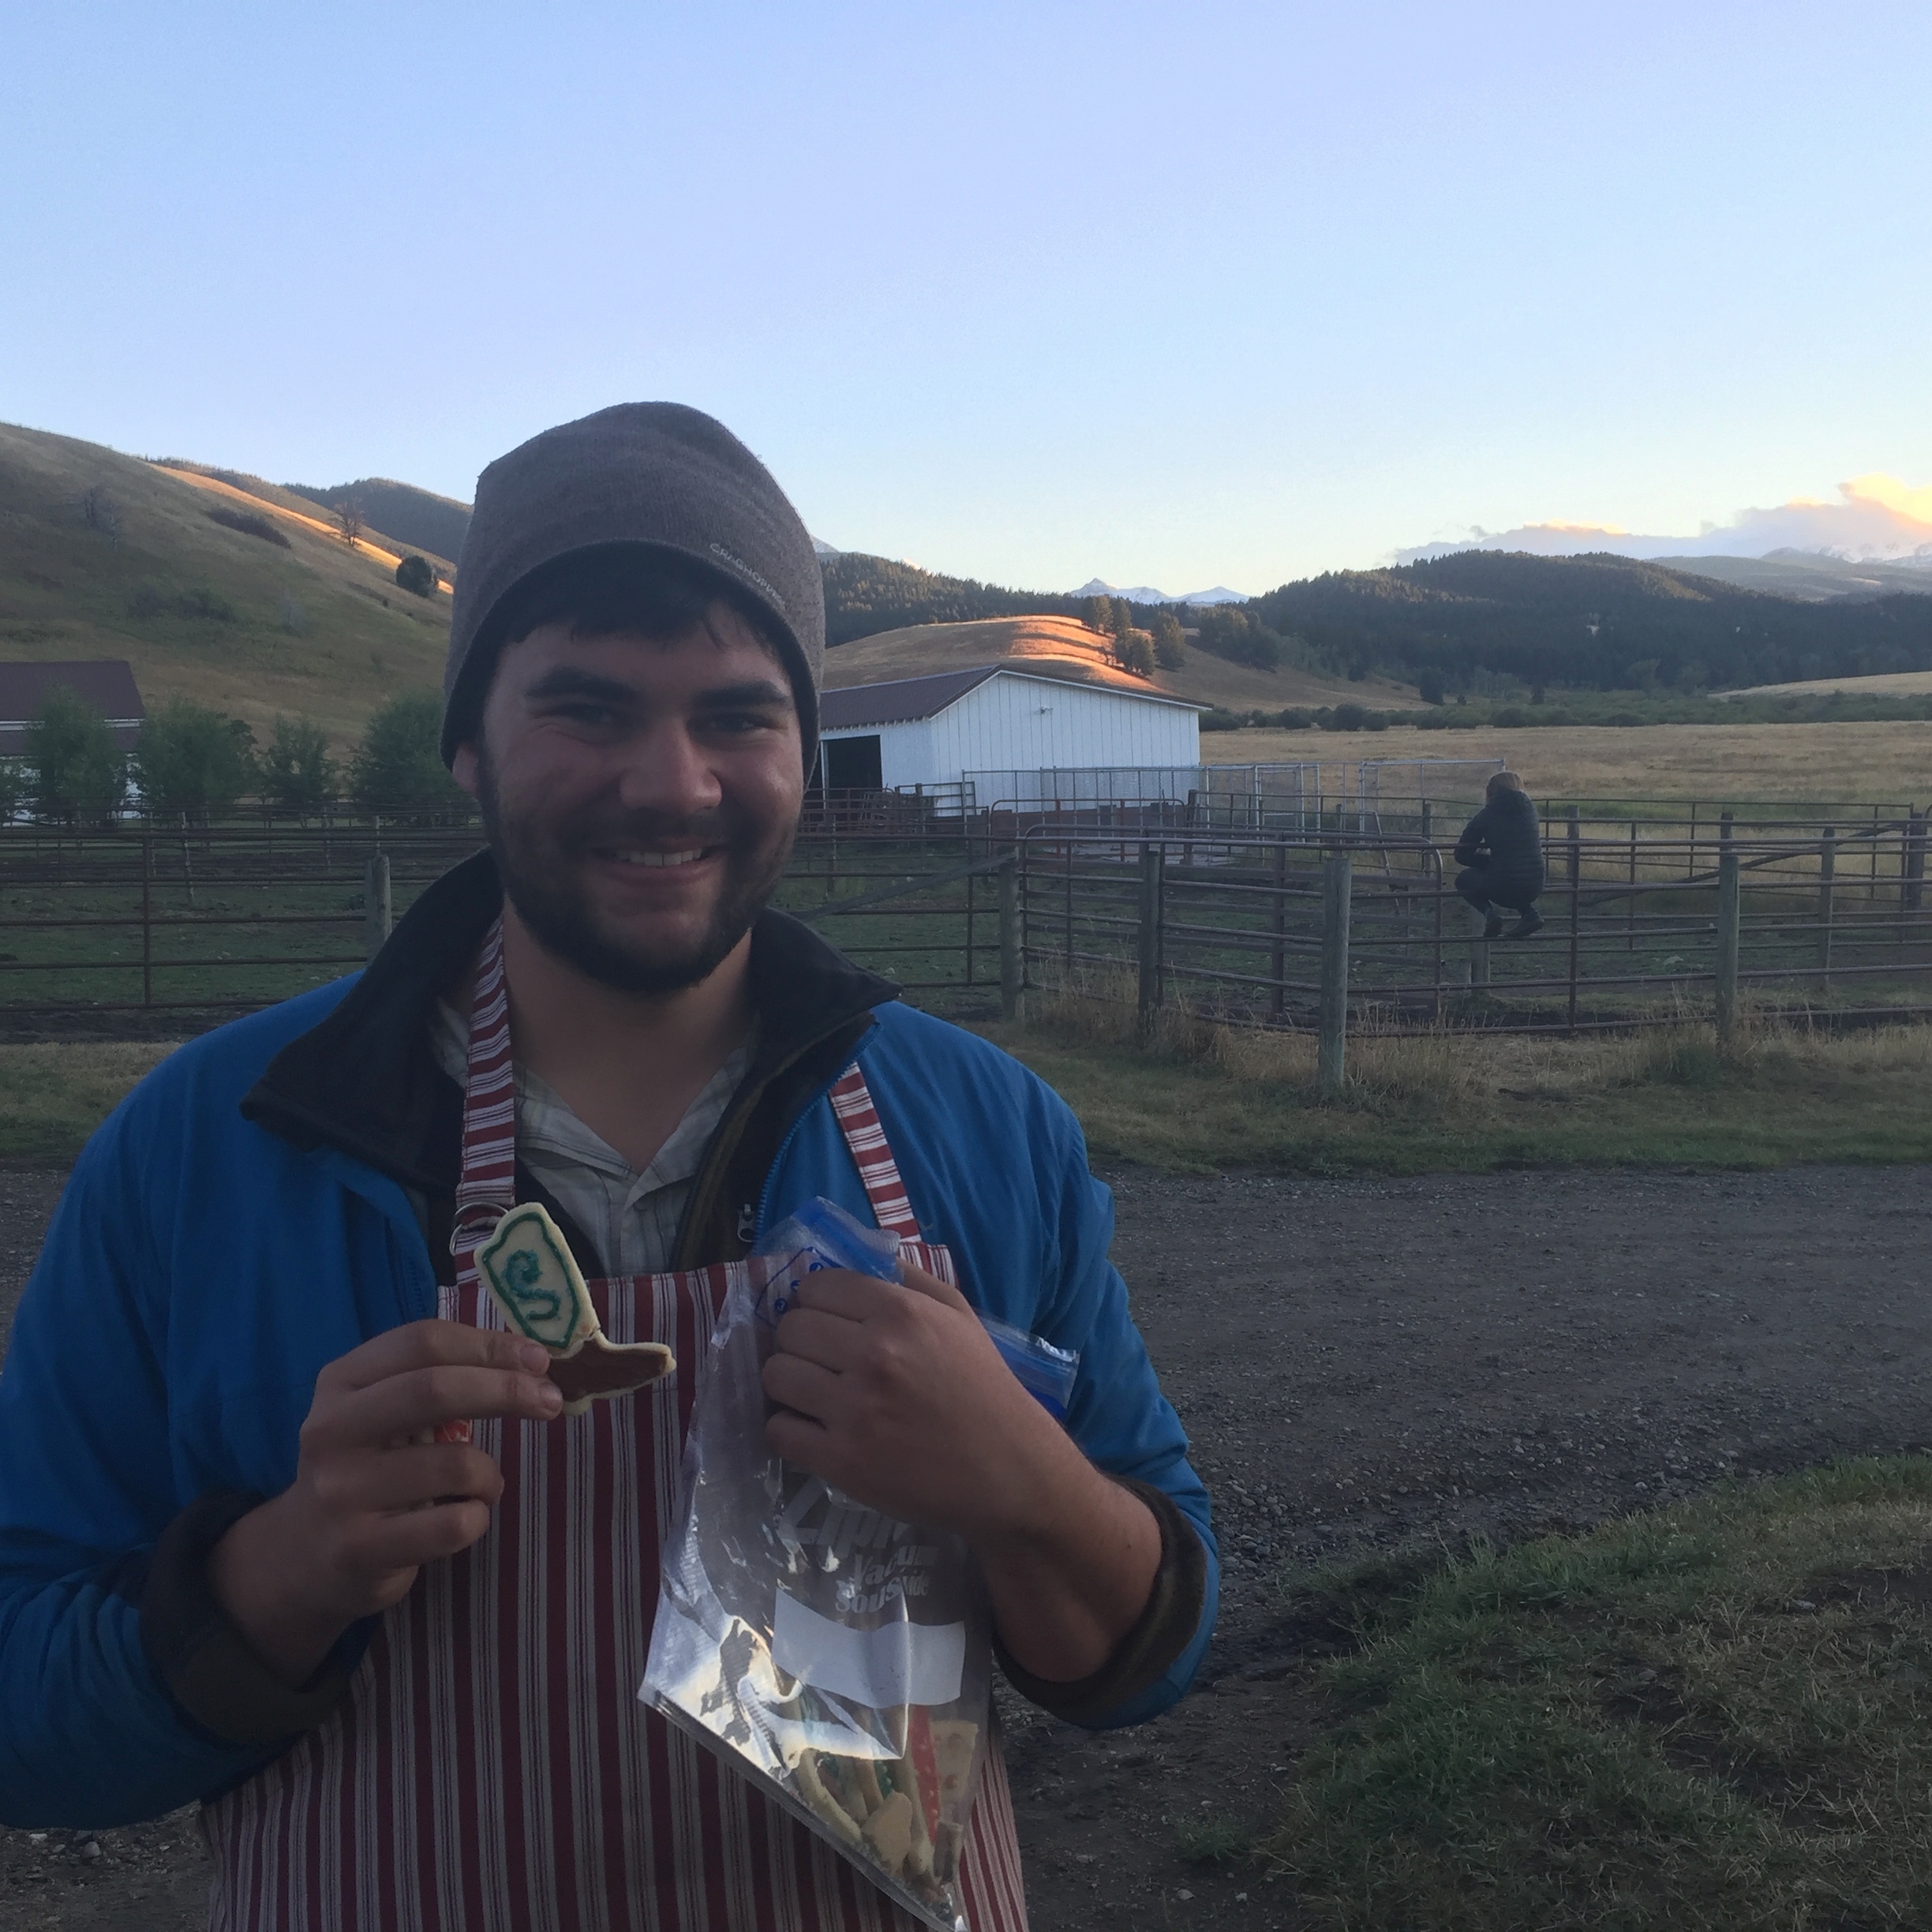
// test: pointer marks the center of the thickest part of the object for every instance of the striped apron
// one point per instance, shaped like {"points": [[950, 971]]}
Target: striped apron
{"points": [[490, 1769]]}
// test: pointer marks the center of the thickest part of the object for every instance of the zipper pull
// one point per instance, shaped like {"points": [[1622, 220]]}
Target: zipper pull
{"points": [[747, 1222]]}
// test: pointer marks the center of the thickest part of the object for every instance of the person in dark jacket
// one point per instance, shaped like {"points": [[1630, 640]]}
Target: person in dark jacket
{"points": [[1501, 854]]}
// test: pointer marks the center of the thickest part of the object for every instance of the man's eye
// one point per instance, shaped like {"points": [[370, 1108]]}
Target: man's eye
{"points": [[735, 723]]}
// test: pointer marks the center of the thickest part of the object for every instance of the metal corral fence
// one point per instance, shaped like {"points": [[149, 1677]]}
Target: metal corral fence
{"points": [[129, 930], [1648, 916], [1646, 919]]}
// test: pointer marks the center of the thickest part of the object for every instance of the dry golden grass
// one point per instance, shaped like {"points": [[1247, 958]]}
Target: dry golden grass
{"points": [[1884, 684], [65, 593], [1063, 647], [1880, 763]]}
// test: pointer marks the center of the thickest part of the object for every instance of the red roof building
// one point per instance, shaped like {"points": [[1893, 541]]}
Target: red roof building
{"points": [[106, 683]]}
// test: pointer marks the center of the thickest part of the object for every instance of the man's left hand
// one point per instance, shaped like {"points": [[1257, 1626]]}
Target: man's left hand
{"points": [[894, 1394]]}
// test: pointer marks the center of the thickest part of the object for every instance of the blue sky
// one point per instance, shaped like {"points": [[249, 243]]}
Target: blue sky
{"points": [[1172, 294]]}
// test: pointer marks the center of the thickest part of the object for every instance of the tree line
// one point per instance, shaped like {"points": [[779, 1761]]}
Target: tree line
{"points": [[192, 764], [1584, 623]]}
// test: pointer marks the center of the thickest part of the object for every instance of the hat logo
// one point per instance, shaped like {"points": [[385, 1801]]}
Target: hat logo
{"points": [[745, 571]]}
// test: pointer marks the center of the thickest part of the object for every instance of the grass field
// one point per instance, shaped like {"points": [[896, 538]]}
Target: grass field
{"points": [[1205, 1097], [1882, 683], [1878, 763], [1712, 1715], [52, 1097]]}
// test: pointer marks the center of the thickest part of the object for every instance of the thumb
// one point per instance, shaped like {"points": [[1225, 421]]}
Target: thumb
{"points": [[930, 1285]]}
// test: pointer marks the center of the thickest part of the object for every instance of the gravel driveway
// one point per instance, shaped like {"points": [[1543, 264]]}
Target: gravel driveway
{"points": [[1363, 1364]]}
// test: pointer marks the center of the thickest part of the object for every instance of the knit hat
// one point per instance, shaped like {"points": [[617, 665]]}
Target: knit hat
{"points": [[655, 474]]}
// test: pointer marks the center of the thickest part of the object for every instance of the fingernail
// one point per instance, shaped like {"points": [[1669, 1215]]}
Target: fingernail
{"points": [[549, 1396], [533, 1356]]}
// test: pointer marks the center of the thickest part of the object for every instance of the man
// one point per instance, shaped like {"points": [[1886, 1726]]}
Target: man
{"points": [[239, 1560], [1501, 853]]}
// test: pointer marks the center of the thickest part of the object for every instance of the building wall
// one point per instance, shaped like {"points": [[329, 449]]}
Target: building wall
{"points": [[1022, 723]]}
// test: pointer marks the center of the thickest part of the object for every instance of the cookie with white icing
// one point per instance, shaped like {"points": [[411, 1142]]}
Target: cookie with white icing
{"points": [[527, 1266]]}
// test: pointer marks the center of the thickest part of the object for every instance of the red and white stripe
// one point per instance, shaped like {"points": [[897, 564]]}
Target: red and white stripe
{"points": [[491, 1769]]}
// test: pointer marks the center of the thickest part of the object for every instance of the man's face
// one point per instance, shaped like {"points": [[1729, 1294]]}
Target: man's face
{"points": [[641, 797]]}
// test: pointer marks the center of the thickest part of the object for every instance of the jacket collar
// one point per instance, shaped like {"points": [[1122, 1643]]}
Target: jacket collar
{"points": [[365, 1081]]}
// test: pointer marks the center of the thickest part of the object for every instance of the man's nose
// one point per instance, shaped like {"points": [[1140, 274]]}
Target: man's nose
{"points": [[668, 771]]}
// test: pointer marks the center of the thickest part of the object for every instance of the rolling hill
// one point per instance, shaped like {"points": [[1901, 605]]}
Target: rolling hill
{"points": [[1599, 622], [201, 609], [1063, 647]]}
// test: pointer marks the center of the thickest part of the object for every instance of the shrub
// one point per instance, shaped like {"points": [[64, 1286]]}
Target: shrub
{"points": [[249, 523], [417, 575], [1295, 719], [75, 771], [1218, 719], [1429, 686], [99, 514], [1347, 717], [297, 774], [191, 761], [398, 771]]}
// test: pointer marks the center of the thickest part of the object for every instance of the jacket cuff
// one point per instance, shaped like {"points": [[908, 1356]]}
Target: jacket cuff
{"points": [[1164, 1629], [205, 1662]]}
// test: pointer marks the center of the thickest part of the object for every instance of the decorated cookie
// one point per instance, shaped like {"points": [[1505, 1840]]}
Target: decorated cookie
{"points": [[529, 1271]]}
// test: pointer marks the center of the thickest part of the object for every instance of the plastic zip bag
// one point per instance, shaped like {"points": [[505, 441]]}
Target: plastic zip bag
{"points": [[841, 1659]]}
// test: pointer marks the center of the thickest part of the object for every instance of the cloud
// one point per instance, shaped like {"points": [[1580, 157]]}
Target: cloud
{"points": [[1876, 519]]}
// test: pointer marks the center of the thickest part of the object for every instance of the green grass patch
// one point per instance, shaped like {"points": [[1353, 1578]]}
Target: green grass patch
{"points": [[1714, 1715], [1469, 1103], [52, 1097]]}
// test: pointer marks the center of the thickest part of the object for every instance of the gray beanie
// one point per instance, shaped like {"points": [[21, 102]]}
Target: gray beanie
{"points": [[655, 474]]}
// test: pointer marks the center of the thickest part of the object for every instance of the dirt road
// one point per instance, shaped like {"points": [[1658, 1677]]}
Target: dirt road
{"points": [[1363, 1365]]}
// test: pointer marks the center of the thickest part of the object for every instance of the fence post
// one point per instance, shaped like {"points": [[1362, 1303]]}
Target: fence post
{"points": [[1331, 1044], [1278, 960], [1153, 867], [375, 904], [1828, 866], [147, 921], [1729, 922], [1576, 904], [1911, 893], [1630, 915], [1012, 961]]}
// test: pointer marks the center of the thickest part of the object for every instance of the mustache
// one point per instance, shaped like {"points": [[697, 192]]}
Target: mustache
{"points": [[605, 829]]}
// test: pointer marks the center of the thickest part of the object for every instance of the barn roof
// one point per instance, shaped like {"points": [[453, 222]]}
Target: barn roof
{"points": [[901, 700], [107, 683]]}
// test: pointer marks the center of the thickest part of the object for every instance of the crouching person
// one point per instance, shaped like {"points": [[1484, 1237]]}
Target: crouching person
{"points": [[287, 1527], [1501, 854]]}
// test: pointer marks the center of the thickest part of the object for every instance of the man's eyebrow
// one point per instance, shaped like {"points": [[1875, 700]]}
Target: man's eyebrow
{"points": [[751, 692], [566, 681]]}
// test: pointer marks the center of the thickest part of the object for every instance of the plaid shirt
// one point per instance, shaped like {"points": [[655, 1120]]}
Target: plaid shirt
{"points": [[630, 1218]]}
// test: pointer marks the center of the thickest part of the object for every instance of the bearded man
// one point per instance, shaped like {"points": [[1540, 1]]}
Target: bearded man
{"points": [[247, 1556]]}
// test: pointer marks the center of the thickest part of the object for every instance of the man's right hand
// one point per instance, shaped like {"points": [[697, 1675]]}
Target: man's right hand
{"points": [[371, 1502]]}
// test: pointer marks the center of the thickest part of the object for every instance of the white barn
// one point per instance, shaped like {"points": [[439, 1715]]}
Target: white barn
{"points": [[933, 731]]}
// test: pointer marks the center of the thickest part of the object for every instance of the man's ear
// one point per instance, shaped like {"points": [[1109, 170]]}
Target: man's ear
{"points": [[464, 767]]}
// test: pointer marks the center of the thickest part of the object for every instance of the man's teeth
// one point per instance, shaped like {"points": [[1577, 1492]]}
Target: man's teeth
{"points": [[661, 857]]}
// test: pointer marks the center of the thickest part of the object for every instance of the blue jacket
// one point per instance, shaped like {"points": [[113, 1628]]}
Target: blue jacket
{"points": [[202, 1269]]}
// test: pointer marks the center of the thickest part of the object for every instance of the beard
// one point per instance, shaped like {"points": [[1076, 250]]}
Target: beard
{"points": [[536, 860]]}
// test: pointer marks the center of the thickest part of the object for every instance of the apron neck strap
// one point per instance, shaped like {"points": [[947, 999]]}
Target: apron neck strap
{"points": [[487, 1189], [865, 1134]]}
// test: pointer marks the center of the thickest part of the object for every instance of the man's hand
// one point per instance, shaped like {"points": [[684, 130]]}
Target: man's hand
{"points": [[371, 1502], [895, 1394]]}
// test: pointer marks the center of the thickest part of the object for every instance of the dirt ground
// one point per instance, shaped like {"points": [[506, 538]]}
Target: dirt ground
{"points": [[1364, 1365]]}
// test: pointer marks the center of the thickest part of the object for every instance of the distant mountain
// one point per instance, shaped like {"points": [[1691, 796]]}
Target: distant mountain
{"points": [[419, 518], [1143, 593], [1607, 623], [1812, 574]]}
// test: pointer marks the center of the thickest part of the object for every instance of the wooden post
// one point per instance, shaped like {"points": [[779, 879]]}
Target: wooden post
{"points": [[1331, 1044], [1013, 961], [1828, 866], [1911, 894], [1277, 997], [375, 906], [1630, 916], [1153, 866], [147, 921], [1575, 832], [1729, 922]]}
